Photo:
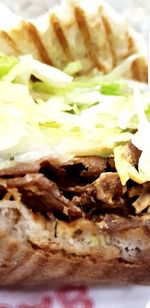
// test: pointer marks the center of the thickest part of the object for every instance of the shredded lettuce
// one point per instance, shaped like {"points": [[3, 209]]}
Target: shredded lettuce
{"points": [[140, 138], [125, 168], [6, 64], [114, 88], [44, 111], [123, 164], [73, 68], [28, 67]]}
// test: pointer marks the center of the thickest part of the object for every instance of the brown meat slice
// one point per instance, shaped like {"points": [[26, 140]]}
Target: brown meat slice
{"points": [[38, 183], [19, 169], [132, 153], [113, 223], [111, 164], [89, 166], [106, 191], [78, 190], [109, 189], [74, 189], [39, 193]]}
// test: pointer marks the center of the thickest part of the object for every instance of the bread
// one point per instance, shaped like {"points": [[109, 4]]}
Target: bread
{"points": [[96, 36], [33, 252], [37, 248]]}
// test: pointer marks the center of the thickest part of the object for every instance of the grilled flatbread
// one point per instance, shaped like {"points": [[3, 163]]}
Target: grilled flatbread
{"points": [[79, 219], [96, 36]]}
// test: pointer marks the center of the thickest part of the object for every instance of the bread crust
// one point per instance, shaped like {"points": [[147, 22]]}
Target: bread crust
{"points": [[98, 37], [36, 268], [36, 250]]}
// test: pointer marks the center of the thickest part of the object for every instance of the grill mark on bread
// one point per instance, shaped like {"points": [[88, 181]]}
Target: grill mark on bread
{"points": [[61, 37], [135, 70], [10, 42], [108, 32], [35, 37], [83, 27], [144, 74], [131, 44]]}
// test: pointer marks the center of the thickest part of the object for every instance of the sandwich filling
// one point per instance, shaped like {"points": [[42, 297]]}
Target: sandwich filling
{"points": [[73, 146]]}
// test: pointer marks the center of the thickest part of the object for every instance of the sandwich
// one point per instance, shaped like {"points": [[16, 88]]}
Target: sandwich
{"points": [[74, 150]]}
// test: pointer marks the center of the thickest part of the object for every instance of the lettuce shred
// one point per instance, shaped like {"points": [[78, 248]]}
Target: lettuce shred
{"points": [[46, 111]]}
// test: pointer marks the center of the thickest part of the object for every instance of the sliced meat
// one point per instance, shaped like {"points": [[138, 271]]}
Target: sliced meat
{"points": [[40, 193], [105, 192], [85, 166], [111, 164], [87, 198], [88, 166], [78, 190], [109, 189], [52, 170], [135, 191], [132, 153], [20, 169], [113, 223], [84, 186]]}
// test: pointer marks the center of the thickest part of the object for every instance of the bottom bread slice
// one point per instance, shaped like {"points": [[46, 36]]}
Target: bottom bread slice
{"points": [[35, 250]]}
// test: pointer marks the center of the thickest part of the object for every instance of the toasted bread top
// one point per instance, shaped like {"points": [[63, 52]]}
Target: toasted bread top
{"points": [[95, 35]]}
